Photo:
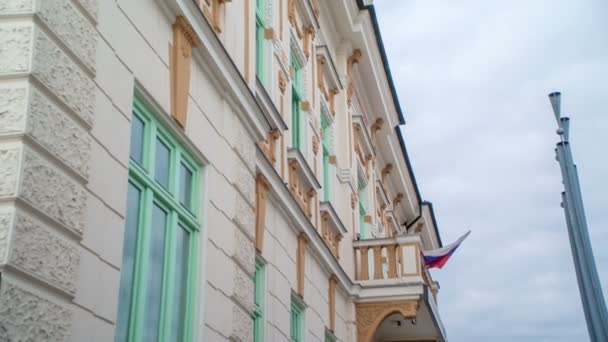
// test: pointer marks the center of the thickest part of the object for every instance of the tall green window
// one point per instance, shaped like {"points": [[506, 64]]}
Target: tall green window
{"points": [[296, 101], [362, 212], [325, 128], [258, 302], [161, 236], [296, 327], [259, 39]]}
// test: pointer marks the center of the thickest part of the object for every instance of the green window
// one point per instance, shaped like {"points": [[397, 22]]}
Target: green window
{"points": [[326, 165], [160, 238], [258, 302], [296, 327], [329, 337], [296, 101], [259, 39], [362, 212]]}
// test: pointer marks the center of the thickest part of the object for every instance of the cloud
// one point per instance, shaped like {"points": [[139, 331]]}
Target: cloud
{"points": [[473, 78]]}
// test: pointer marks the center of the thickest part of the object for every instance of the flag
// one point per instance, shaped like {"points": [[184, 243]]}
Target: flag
{"points": [[438, 257]]}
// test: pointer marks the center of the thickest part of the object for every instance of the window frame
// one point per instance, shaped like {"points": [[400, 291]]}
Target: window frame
{"points": [[259, 299], [179, 216], [296, 104], [260, 27], [296, 315]]}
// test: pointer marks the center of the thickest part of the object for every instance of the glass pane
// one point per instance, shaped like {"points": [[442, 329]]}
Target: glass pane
{"points": [[185, 186], [154, 278], [162, 164], [180, 286], [128, 263], [137, 139]]}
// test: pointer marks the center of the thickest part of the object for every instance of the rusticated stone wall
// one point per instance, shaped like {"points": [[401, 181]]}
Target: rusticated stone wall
{"points": [[47, 110]]}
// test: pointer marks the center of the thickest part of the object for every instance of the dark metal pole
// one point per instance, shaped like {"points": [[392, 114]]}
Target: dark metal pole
{"points": [[589, 284]]}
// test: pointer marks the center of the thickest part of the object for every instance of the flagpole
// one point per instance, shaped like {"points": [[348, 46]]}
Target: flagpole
{"points": [[587, 277]]}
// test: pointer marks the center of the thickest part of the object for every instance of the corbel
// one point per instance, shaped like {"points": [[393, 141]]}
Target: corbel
{"points": [[315, 145], [377, 126], [321, 62], [397, 199], [332, 97], [301, 258], [354, 58], [353, 200], [386, 171], [309, 35], [282, 82]]}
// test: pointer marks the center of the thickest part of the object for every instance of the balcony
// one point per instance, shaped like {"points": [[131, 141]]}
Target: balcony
{"points": [[397, 297]]}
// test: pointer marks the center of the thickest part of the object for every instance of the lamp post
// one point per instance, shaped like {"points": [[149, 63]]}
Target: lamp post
{"points": [[582, 253]]}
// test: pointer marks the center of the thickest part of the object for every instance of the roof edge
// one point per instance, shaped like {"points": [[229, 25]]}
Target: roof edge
{"points": [[387, 70]]}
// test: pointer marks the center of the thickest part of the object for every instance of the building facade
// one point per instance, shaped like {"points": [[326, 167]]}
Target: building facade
{"points": [[206, 170]]}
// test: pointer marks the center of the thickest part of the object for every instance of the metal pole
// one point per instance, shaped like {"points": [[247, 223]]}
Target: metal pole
{"points": [[588, 280]]}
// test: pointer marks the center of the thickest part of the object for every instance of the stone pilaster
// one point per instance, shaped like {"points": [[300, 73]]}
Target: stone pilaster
{"points": [[47, 100]]}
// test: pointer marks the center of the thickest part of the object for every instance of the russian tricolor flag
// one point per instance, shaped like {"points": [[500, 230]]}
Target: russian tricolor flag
{"points": [[438, 257]]}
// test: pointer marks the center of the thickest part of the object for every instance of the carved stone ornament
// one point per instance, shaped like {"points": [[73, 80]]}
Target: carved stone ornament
{"points": [[352, 60], [282, 82], [371, 315], [353, 200]]}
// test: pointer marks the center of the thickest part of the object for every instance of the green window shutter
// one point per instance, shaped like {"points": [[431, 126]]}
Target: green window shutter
{"points": [[258, 302], [296, 101], [161, 236]]}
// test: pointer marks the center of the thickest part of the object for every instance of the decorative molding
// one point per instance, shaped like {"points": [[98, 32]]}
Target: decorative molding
{"points": [[386, 171], [332, 100], [354, 58], [269, 33], [315, 145], [282, 82], [315, 8], [376, 127], [333, 282], [309, 35], [305, 106], [301, 258], [370, 315], [212, 9], [184, 39], [397, 200], [353, 200], [261, 190]]}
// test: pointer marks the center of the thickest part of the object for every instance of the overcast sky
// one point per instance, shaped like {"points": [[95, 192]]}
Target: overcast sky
{"points": [[473, 78]]}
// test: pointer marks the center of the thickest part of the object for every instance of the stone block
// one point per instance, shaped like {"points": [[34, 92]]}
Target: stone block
{"points": [[6, 222], [219, 270], [114, 80], [10, 156], [52, 192], [43, 253], [67, 22], [98, 286], [112, 129], [16, 6], [91, 6], [242, 325], [16, 41], [218, 311], [220, 230], [244, 181], [25, 316], [53, 68], [243, 288], [109, 179], [105, 231], [58, 133], [244, 251], [244, 215], [13, 104]]}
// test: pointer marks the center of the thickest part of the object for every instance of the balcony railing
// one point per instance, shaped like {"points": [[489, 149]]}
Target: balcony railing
{"points": [[391, 258]]}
